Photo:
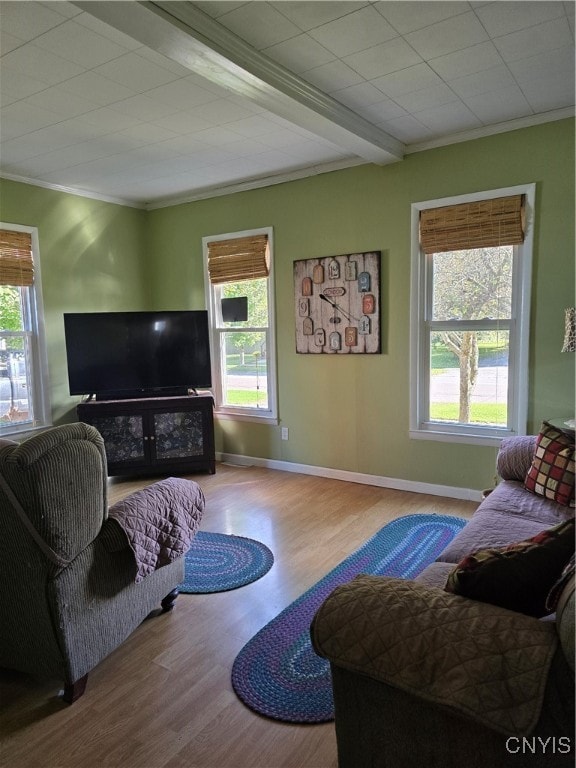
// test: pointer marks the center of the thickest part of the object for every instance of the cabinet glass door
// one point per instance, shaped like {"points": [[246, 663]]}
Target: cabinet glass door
{"points": [[123, 436], [178, 435]]}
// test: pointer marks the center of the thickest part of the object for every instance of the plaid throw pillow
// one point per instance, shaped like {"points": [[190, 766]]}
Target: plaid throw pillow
{"points": [[552, 472]]}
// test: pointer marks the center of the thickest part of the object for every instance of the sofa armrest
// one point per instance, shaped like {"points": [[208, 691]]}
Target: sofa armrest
{"points": [[515, 456], [565, 619], [383, 727], [476, 659]]}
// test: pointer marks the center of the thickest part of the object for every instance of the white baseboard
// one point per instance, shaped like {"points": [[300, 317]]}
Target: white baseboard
{"points": [[467, 494]]}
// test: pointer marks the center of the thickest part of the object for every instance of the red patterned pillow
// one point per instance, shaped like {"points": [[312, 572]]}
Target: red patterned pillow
{"points": [[519, 576], [552, 472]]}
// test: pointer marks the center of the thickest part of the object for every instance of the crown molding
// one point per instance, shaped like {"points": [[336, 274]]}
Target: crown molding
{"points": [[256, 183], [492, 130], [302, 173], [203, 194], [72, 190]]}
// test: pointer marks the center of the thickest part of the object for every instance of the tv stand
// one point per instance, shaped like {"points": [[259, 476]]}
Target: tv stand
{"points": [[154, 435], [139, 394]]}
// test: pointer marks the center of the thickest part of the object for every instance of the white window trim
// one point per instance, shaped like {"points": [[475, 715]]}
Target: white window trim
{"points": [[519, 353], [260, 415], [42, 408]]}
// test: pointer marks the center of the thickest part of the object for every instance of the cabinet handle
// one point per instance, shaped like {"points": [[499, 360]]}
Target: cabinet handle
{"points": [[145, 437], [152, 437]]}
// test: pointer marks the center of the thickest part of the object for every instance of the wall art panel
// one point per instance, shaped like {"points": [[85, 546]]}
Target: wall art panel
{"points": [[337, 304]]}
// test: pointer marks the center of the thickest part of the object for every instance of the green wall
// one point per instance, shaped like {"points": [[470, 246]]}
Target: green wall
{"points": [[90, 260], [348, 413], [351, 413]]}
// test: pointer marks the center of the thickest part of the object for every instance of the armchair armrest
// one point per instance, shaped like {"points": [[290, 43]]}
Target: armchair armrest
{"points": [[112, 537], [475, 659], [158, 522]]}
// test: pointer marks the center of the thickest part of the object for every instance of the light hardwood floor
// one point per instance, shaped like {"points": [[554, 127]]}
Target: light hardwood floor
{"points": [[164, 698]]}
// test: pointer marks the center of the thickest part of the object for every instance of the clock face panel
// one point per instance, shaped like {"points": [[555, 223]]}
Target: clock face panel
{"points": [[337, 304]]}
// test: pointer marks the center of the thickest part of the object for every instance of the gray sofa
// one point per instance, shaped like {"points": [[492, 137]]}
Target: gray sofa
{"points": [[69, 588], [422, 677]]}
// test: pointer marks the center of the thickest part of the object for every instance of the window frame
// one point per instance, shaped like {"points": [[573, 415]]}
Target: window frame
{"points": [[33, 312], [267, 415], [421, 428]]}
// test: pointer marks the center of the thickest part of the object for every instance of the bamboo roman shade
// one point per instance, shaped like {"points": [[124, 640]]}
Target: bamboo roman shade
{"points": [[481, 224], [240, 258], [16, 265]]}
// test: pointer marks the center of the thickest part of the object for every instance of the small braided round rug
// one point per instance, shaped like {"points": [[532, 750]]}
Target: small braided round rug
{"points": [[217, 562], [277, 673]]}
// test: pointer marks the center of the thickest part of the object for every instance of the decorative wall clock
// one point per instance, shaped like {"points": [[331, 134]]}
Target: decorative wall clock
{"points": [[337, 304]]}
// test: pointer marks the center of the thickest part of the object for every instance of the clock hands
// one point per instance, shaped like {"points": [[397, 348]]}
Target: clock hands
{"points": [[339, 308]]}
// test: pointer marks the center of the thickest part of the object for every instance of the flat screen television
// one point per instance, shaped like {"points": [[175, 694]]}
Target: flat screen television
{"points": [[115, 355]]}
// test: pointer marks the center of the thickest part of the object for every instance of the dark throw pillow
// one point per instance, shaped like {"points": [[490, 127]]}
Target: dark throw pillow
{"points": [[518, 577], [552, 472]]}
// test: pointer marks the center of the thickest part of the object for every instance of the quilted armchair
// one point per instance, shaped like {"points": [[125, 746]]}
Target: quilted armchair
{"points": [[69, 586]]}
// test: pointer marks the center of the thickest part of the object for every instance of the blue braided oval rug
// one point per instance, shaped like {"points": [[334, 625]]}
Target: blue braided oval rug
{"points": [[217, 562], [277, 673]]}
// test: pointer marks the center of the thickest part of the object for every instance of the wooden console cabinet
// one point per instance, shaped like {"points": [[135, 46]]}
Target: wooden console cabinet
{"points": [[154, 435]]}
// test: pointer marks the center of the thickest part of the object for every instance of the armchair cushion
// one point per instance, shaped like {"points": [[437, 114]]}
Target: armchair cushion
{"points": [[159, 522]]}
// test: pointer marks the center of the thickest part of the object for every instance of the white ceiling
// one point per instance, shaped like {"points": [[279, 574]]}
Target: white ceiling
{"points": [[123, 101]]}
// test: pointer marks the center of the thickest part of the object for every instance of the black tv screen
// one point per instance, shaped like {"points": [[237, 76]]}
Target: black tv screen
{"points": [[137, 354]]}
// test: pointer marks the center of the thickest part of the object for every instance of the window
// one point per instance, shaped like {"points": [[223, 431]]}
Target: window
{"points": [[23, 365], [240, 301], [471, 271]]}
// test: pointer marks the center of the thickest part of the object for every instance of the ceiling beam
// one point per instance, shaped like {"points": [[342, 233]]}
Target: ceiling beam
{"points": [[185, 34]]}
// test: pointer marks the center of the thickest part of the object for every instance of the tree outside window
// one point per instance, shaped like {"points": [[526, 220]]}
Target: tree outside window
{"points": [[470, 300], [14, 400], [24, 403], [241, 264], [470, 286], [245, 379]]}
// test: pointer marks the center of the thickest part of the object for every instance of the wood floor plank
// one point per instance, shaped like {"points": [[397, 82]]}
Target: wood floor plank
{"points": [[164, 699]]}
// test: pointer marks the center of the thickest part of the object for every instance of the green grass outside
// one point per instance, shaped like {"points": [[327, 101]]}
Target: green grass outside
{"points": [[480, 413], [246, 397]]}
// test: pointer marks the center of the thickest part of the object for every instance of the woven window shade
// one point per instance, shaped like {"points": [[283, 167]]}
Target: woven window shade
{"points": [[482, 224], [16, 265], [241, 258]]}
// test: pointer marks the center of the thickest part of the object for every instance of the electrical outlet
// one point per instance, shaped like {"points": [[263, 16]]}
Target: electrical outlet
{"points": [[284, 433]]}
